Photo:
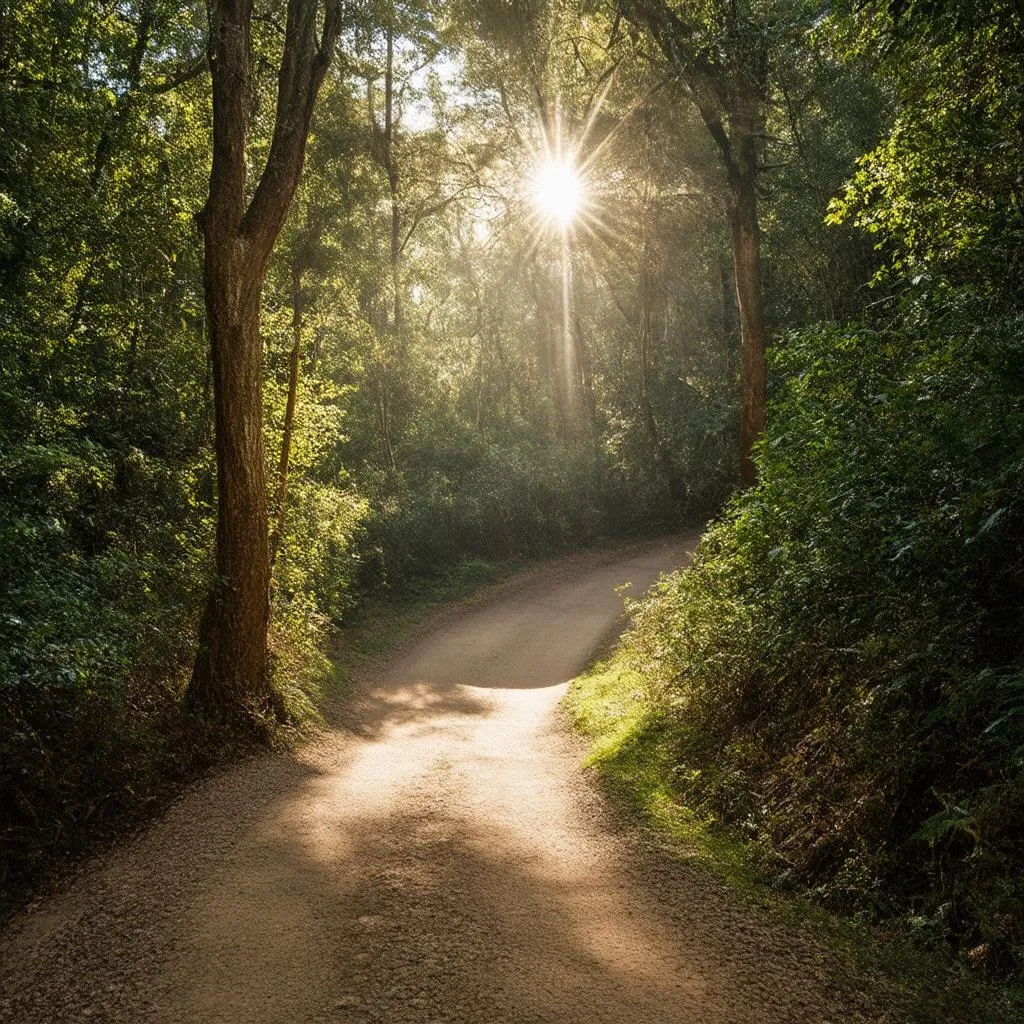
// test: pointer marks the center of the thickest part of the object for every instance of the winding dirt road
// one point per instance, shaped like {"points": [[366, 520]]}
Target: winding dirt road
{"points": [[436, 856]]}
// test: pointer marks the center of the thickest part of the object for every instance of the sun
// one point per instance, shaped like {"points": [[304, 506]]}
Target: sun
{"points": [[558, 191]]}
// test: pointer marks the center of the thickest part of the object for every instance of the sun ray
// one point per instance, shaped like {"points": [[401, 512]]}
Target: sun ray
{"points": [[595, 109], [601, 229], [614, 130]]}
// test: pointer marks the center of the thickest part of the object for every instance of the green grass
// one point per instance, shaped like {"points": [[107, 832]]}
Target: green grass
{"points": [[631, 749]]}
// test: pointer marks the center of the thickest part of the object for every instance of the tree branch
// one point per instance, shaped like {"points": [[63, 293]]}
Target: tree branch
{"points": [[431, 211], [303, 68], [180, 77]]}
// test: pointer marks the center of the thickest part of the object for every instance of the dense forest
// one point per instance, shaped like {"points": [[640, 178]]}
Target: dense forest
{"points": [[308, 303]]}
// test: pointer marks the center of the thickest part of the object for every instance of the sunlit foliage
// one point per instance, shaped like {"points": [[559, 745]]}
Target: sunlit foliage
{"points": [[840, 672]]}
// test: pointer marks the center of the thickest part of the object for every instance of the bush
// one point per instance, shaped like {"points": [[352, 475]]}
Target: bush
{"points": [[474, 496], [842, 663], [96, 637]]}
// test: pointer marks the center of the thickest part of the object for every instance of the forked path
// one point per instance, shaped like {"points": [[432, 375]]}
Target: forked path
{"points": [[436, 856]]}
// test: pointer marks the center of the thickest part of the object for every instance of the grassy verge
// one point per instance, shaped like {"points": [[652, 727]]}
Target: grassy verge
{"points": [[631, 748]]}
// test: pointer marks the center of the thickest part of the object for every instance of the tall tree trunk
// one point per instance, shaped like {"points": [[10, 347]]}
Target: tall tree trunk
{"points": [[391, 166], [727, 89], [281, 496], [229, 679], [746, 259], [738, 149], [230, 682]]}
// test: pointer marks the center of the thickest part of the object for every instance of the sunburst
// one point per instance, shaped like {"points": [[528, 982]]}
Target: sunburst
{"points": [[558, 191], [562, 187], [561, 184]]}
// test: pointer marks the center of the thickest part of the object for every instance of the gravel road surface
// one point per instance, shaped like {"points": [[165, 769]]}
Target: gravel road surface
{"points": [[436, 855]]}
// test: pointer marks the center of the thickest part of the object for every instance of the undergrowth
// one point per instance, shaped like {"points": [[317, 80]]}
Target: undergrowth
{"points": [[835, 684], [633, 750]]}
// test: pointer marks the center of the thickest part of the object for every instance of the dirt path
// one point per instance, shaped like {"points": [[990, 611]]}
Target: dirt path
{"points": [[437, 856]]}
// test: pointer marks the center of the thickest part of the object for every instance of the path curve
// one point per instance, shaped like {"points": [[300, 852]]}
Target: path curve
{"points": [[435, 857]]}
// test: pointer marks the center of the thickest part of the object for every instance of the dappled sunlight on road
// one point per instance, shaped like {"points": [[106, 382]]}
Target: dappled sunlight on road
{"points": [[437, 856], [452, 822]]}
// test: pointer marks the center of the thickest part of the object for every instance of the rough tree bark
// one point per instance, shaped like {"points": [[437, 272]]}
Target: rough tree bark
{"points": [[229, 680]]}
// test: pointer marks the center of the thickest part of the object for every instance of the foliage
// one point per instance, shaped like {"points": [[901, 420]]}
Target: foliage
{"points": [[941, 193], [839, 673], [634, 750], [411, 449], [842, 661]]}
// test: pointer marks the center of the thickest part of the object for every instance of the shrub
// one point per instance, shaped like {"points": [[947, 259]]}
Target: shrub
{"points": [[842, 663]]}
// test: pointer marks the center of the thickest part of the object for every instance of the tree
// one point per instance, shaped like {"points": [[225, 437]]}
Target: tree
{"points": [[229, 680], [722, 64], [941, 194]]}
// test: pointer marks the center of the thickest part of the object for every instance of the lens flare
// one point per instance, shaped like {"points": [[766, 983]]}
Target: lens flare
{"points": [[558, 192]]}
